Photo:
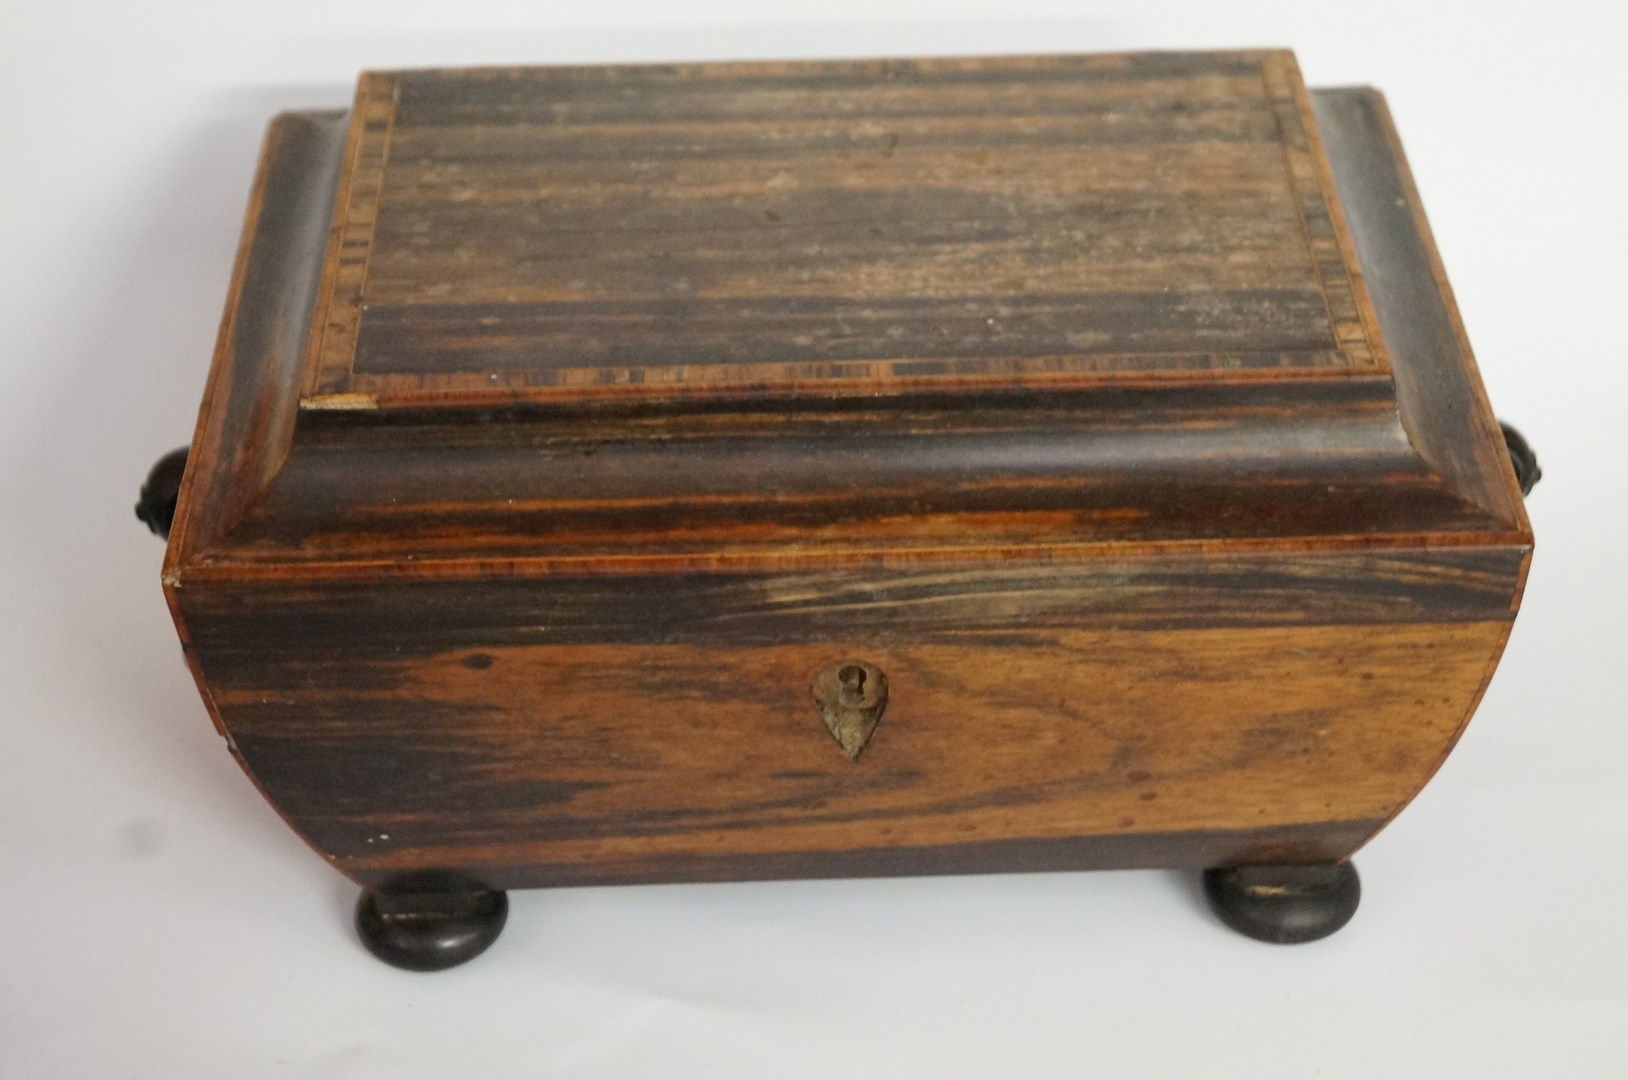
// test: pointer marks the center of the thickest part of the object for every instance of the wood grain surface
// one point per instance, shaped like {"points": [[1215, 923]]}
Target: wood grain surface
{"points": [[816, 226], [586, 729], [541, 764]]}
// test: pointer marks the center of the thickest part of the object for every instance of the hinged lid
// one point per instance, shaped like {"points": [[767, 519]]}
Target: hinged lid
{"points": [[727, 315]]}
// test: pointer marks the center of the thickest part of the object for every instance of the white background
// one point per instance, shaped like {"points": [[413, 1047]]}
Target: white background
{"points": [[157, 920]]}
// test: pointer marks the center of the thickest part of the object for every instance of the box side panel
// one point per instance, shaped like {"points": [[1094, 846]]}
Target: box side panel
{"points": [[558, 731]]}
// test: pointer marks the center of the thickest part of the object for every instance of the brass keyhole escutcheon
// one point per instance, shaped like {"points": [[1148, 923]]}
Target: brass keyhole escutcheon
{"points": [[851, 696]]}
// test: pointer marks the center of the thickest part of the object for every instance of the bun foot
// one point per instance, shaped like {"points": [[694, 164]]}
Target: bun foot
{"points": [[430, 922], [156, 507], [1285, 905]]}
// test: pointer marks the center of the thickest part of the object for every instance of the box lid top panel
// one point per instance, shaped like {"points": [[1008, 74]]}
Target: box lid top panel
{"points": [[832, 228]]}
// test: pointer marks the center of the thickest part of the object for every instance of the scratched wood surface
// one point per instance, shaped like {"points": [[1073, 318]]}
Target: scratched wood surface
{"points": [[841, 224], [473, 607]]}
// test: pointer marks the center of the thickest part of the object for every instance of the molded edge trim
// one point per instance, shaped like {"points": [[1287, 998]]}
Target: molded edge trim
{"points": [[1442, 403]]}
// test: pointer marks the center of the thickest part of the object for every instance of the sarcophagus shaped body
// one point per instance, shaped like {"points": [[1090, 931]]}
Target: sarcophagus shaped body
{"points": [[798, 469]]}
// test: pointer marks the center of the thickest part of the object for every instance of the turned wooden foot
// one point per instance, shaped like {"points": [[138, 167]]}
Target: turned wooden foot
{"points": [[1285, 905], [430, 922]]}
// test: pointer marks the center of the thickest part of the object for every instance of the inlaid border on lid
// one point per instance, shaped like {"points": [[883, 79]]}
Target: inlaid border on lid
{"points": [[333, 382]]}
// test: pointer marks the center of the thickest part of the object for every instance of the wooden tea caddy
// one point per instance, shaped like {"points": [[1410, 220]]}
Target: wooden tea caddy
{"points": [[731, 471]]}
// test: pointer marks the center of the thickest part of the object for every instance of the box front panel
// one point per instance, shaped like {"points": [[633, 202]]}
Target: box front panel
{"points": [[1184, 711]]}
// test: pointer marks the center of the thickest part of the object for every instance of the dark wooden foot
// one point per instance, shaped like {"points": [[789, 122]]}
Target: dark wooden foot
{"points": [[431, 922], [1527, 473], [1285, 905], [156, 508]]}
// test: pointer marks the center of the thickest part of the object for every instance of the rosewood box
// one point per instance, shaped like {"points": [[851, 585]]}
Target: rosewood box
{"points": [[730, 471]]}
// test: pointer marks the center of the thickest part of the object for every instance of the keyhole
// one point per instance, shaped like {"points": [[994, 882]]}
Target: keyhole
{"points": [[852, 679]]}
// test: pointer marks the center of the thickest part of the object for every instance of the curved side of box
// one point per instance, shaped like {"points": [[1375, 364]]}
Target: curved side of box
{"points": [[246, 420]]}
